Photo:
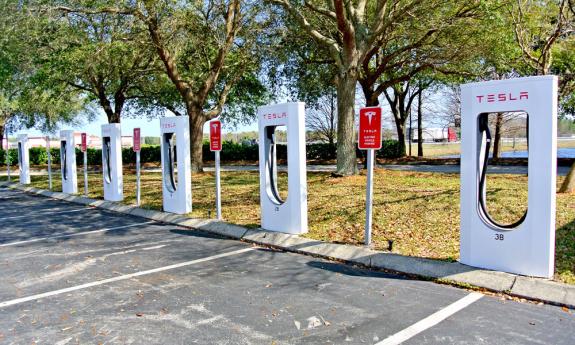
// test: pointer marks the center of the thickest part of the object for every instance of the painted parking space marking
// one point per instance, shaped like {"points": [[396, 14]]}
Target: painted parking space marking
{"points": [[120, 278], [431, 320], [51, 213], [43, 238]]}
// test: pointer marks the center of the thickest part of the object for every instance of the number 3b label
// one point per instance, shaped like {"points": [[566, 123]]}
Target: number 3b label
{"points": [[499, 237]]}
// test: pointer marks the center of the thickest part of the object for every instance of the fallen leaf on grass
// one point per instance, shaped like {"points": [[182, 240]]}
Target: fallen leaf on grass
{"points": [[297, 324]]}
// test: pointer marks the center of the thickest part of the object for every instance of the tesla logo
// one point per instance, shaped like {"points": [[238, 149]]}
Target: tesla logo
{"points": [[370, 115], [275, 116], [502, 97], [215, 135]]}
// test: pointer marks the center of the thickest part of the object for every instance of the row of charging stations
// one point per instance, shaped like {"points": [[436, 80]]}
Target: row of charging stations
{"points": [[111, 161], [277, 214], [524, 247], [285, 215]]}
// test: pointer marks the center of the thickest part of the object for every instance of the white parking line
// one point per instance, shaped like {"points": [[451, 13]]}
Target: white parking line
{"points": [[50, 213], [74, 234], [431, 320], [120, 278]]}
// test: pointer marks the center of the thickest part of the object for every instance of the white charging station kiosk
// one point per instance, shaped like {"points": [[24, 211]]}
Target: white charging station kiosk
{"points": [[24, 159], [112, 162], [176, 164], [68, 162], [528, 246], [289, 215]]}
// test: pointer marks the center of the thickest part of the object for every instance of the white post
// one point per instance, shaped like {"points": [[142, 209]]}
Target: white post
{"points": [[86, 173], [49, 163], [218, 187], [369, 197], [138, 178], [8, 155]]}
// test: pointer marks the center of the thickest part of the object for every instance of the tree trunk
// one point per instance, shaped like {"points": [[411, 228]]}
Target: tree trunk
{"points": [[196, 118], [332, 119], [497, 140], [115, 118], [401, 138], [419, 125], [1, 136], [400, 118], [346, 159], [568, 185]]}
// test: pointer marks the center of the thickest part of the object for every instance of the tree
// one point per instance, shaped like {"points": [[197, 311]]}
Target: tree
{"points": [[539, 27], [208, 52], [26, 100], [420, 123], [366, 39], [106, 56], [322, 118], [206, 48], [400, 98]]}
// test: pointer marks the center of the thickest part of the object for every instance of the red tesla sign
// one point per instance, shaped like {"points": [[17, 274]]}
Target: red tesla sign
{"points": [[215, 135], [84, 142], [369, 128], [136, 146]]}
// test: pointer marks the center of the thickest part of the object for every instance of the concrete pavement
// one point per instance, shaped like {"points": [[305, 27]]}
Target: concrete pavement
{"points": [[95, 276]]}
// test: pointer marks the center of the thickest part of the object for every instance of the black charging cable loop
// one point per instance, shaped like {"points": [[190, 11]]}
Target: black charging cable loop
{"points": [[484, 129]]}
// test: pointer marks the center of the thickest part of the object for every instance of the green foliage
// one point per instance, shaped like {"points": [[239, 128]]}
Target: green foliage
{"points": [[27, 98], [151, 141], [231, 152], [107, 57], [12, 157], [321, 151], [38, 155], [389, 149]]}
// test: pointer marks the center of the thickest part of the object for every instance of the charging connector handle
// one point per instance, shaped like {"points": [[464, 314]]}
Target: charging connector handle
{"points": [[486, 145], [272, 160]]}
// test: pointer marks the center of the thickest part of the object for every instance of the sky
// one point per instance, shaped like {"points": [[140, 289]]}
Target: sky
{"points": [[147, 127], [151, 127]]}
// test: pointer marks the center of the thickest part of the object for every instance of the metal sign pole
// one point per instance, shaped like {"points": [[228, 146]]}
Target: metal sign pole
{"points": [[138, 178], [8, 155], [216, 147], [218, 187], [49, 163], [369, 139], [136, 146], [86, 173], [369, 197]]}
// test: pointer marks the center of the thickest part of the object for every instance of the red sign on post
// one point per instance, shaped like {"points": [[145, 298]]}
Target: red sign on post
{"points": [[136, 147], [84, 142], [215, 135], [369, 128]]}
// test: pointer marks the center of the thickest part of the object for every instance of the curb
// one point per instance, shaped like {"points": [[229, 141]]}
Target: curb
{"points": [[454, 273]]}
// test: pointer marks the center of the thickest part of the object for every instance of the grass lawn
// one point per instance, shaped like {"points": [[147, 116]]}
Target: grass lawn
{"points": [[418, 211], [446, 149]]}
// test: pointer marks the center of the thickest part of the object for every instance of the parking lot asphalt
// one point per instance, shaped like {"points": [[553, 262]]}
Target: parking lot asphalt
{"points": [[80, 275]]}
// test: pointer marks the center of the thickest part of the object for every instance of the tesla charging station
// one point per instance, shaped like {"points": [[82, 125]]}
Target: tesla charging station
{"points": [[176, 164], [24, 159], [68, 162], [289, 215], [112, 162], [527, 246]]}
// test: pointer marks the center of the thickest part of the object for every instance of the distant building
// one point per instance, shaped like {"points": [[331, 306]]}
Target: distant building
{"points": [[436, 135], [93, 141]]}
